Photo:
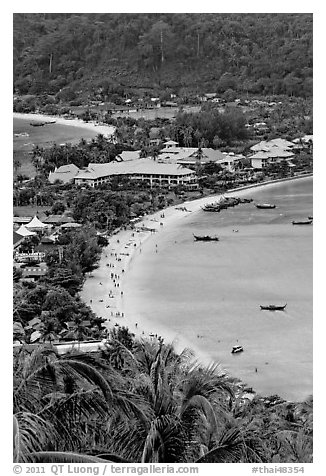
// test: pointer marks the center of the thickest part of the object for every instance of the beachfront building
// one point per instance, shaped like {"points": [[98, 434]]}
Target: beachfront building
{"points": [[271, 152], [189, 156], [65, 173], [142, 170], [202, 156]]}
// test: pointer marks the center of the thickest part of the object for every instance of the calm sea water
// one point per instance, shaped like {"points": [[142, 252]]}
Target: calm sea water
{"points": [[44, 136], [210, 293]]}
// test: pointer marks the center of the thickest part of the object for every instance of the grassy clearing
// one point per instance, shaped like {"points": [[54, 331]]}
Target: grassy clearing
{"points": [[30, 211]]}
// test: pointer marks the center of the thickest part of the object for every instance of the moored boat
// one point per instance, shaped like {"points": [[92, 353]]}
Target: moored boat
{"points": [[206, 238], [236, 349], [272, 307], [213, 207], [302, 222], [265, 205], [310, 218], [37, 124]]}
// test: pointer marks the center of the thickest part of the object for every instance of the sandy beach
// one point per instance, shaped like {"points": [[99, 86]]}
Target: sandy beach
{"points": [[106, 289], [106, 130]]}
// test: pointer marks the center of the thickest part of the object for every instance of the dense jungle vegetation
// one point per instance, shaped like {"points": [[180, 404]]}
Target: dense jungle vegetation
{"points": [[116, 55]]}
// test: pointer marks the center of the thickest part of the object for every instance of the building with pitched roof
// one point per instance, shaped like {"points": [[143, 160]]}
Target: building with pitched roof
{"points": [[21, 220], [278, 143], [57, 220], [191, 158], [144, 170], [271, 152], [65, 173], [33, 273]]}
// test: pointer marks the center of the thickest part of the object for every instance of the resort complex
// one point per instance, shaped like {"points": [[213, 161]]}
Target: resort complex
{"points": [[146, 171]]}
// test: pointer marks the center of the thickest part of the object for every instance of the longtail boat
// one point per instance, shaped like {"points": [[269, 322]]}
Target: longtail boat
{"points": [[236, 349], [302, 222], [206, 238], [265, 205], [213, 207], [37, 124], [272, 307]]}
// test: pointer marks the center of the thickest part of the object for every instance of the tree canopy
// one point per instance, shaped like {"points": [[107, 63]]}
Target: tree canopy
{"points": [[70, 54]]}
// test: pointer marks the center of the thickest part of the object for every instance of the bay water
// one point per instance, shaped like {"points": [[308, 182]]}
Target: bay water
{"points": [[209, 293]]}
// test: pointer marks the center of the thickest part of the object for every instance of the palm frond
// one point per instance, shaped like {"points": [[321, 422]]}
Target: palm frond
{"points": [[229, 449], [61, 457], [34, 434]]}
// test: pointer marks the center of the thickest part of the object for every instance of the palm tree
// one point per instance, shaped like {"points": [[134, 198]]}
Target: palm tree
{"points": [[181, 400], [62, 402]]}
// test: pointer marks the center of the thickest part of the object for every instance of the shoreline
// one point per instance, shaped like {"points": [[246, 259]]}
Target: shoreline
{"points": [[102, 288], [106, 130]]}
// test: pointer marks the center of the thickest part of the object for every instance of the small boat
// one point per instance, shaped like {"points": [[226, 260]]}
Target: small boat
{"points": [[302, 222], [206, 238], [246, 200], [272, 307], [310, 218], [37, 124], [265, 205], [236, 349], [211, 207]]}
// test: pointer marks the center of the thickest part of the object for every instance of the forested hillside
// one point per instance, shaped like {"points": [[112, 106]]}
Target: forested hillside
{"points": [[100, 55]]}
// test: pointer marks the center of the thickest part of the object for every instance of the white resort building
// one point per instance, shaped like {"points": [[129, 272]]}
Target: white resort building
{"points": [[144, 170], [271, 152]]}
